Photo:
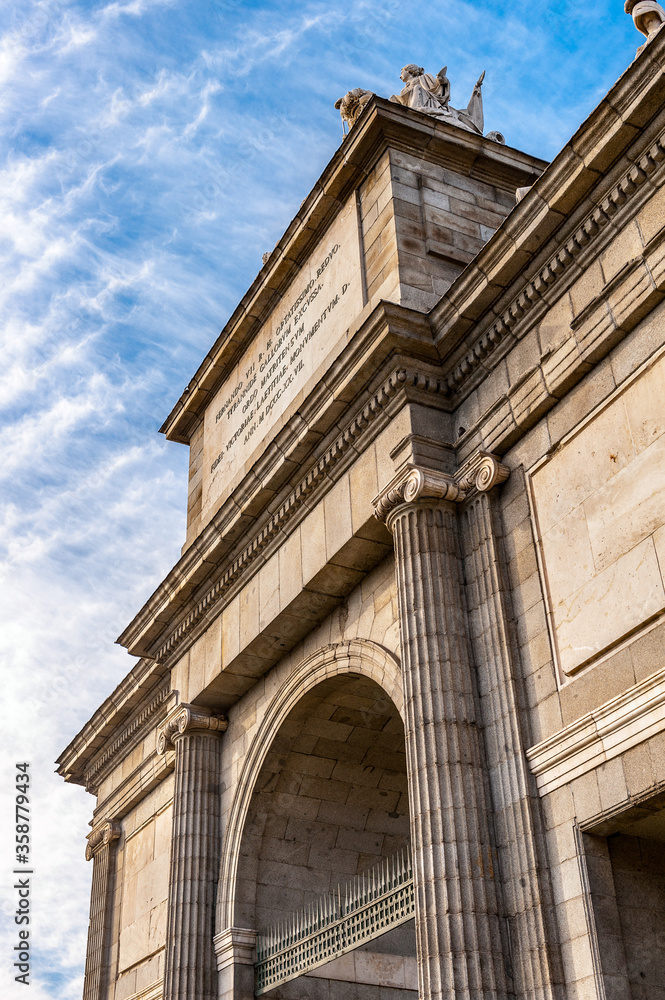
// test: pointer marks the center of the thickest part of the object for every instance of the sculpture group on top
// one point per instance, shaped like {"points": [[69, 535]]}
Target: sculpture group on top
{"points": [[428, 94], [648, 16]]}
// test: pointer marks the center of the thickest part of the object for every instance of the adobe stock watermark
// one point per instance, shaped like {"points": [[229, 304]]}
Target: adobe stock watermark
{"points": [[252, 146], [22, 874], [368, 25]]}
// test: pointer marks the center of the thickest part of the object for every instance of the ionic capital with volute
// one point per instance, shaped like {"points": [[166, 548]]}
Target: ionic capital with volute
{"points": [[101, 835], [188, 719], [479, 473]]}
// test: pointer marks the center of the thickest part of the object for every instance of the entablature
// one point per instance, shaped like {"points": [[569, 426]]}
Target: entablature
{"points": [[138, 702], [389, 362], [578, 205]]}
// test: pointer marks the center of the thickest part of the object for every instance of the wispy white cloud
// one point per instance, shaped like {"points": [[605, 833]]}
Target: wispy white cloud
{"points": [[135, 8]]}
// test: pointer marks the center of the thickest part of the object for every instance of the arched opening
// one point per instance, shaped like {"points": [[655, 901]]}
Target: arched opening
{"points": [[330, 802]]}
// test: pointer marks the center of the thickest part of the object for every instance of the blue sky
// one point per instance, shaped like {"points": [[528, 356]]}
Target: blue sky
{"points": [[150, 152]]}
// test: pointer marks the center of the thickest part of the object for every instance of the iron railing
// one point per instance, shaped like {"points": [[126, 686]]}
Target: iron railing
{"points": [[337, 922]]}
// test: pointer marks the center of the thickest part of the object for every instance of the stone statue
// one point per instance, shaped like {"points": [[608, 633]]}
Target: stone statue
{"points": [[424, 92], [351, 105], [648, 16], [430, 95]]}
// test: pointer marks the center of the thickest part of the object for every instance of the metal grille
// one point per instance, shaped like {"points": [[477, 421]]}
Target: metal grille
{"points": [[335, 923]]}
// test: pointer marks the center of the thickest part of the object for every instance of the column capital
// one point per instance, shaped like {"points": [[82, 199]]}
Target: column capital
{"points": [[479, 473], [187, 719], [104, 834]]}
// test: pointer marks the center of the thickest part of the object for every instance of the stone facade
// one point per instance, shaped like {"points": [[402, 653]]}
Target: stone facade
{"points": [[421, 601]]}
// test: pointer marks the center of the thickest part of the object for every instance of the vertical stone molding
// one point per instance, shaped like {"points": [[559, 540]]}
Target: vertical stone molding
{"points": [[190, 967], [101, 849], [515, 806], [458, 932]]}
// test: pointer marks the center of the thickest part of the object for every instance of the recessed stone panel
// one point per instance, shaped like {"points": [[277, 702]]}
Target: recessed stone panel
{"points": [[293, 348], [599, 502], [144, 890]]}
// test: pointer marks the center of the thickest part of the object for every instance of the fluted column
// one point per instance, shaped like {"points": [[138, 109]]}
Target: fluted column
{"points": [[515, 808], [190, 966], [460, 954], [101, 849]]}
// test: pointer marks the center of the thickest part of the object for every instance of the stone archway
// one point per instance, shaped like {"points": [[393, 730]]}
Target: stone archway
{"points": [[357, 656], [323, 796]]}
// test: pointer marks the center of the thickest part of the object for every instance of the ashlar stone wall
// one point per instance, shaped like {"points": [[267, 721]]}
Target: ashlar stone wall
{"points": [[142, 892], [582, 517]]}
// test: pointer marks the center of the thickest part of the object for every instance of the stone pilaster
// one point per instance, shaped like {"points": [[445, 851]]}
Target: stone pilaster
{"points": [[235, 948], [101, 849], [460, 954], [526, 890], [190, 967]]}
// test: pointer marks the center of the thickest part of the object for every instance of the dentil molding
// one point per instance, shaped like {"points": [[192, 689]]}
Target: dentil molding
{"points": [[479, 473], [187, 719], [538, 289]]}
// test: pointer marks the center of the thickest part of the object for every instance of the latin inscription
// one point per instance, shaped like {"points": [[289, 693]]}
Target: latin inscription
{"points": [[291, 347], [276, 369]]}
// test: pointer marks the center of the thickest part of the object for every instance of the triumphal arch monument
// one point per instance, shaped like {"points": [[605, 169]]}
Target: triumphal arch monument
{"points": [[396, 727]]}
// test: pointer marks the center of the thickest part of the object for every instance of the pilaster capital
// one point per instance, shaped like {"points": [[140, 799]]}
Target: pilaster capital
{"points": [[479, 473], [411, 484], [187, 719], [235, 946], [104, 834]]}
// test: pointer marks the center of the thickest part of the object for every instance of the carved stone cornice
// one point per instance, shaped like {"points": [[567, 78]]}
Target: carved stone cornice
{"points": [[319, 476], [625, 721], [126, 740], [537, 291], [187, 719], [479, 473], [104, 834]]}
